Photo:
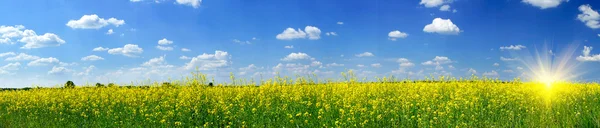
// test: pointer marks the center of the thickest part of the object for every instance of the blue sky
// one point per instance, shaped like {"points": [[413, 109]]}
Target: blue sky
{"points": [[47, 42]]}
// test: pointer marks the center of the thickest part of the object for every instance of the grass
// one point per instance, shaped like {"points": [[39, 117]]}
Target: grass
{"points": [[304, 102]]}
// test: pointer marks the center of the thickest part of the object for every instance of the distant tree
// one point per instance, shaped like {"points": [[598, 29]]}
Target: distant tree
{"points": [[167, 84], [210, 84], [69, 84], [99, 85], [111, 85]]}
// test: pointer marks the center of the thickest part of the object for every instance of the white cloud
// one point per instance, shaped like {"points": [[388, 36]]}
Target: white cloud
{"points": [[331, 34], [512, 47], [11, 66], [586, 57], [340, 23], [7, 54], [310, 32], [544, 4], [110, 31], [472, 71], [40, 41], [87, 70], [135, 0], [241, 42], [93, 22], [434, 3], [209, 61], [296, 56], [496, 64], [92, 58], [289, 46], [334, 65], [164, 48], [442, 26], [59, 70], [360, 66], [316, 63], [43, 61], [508, 59], [250, 68], [129, 50], [193, 3], [159, 62], [491, 74], [445, 8], [404, 63], [365, 54], [164, 41], [185, 50], [519, 68], [393, 35], [22, 57], [508, 71], [185, 58], [589, 16], [438, 60], [100, 49], [376, 65]]}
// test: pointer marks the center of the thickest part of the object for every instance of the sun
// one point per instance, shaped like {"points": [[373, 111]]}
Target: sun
{"points": [[548, 67]]}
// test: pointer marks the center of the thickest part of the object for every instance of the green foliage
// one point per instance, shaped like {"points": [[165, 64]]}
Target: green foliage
{"points": [[99, 85], [69, 84]]}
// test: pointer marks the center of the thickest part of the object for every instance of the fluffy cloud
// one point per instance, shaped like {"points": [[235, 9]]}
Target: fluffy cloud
{"points": [[87, 70], [471, 71], [331, 34], [586, 57], [340, 23], [249, 69], [360, 66], [241, 42], [496, 64], [543, 4], [43, 61], [162, 45], [310, 32], [193, 3], [164, 48], [92, 58], [438, 60], [512, 47], [209, 61], [110, 31], [442, 26], [185, 58], [316, 63], [93, 22], [589, 16], [159, 62], [11, 66], [22, 57], [59, 70], [334, 65], [7, 54], [29, 37], [185, 50], [296, 56], [445, 8], [365, 54], [164, 41], [100, 49], [393, 35], [129, 50], [289, 46], [434, 3]]}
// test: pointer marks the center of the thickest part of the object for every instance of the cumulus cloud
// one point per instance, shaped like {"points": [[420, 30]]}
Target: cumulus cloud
{"points": [[7, 54], [365, 54], [249, 69], [508, 59], [164, 48], [100, 49], [43, 61], [393, 35], [491, 74], [92, 58], [334, 65], [110, 32], [129, 50], [587, 57], [29, 37], [296, 56], [209, 61], [512, 47], [164, 41], [86, 70], [11, 66], [162, 45], [434, 3], [589, 16], [360, 66], [442, 26], [340, 23], [438, 60], [193, 3], [158, 62], [376, 65], [544, 4], [445, 8], [22, 57], [59, 70], [331, 34], [472, 71], [289, 46], [496, 64], [310, 32], [185, 58], [93, 22], [185, 50], [241, 42]]}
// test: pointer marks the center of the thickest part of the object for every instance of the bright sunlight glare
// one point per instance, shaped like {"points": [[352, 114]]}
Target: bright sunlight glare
{"points": [[546, 66]]}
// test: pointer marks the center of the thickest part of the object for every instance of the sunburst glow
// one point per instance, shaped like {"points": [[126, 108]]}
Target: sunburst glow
{"points": [[546, 66]]}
